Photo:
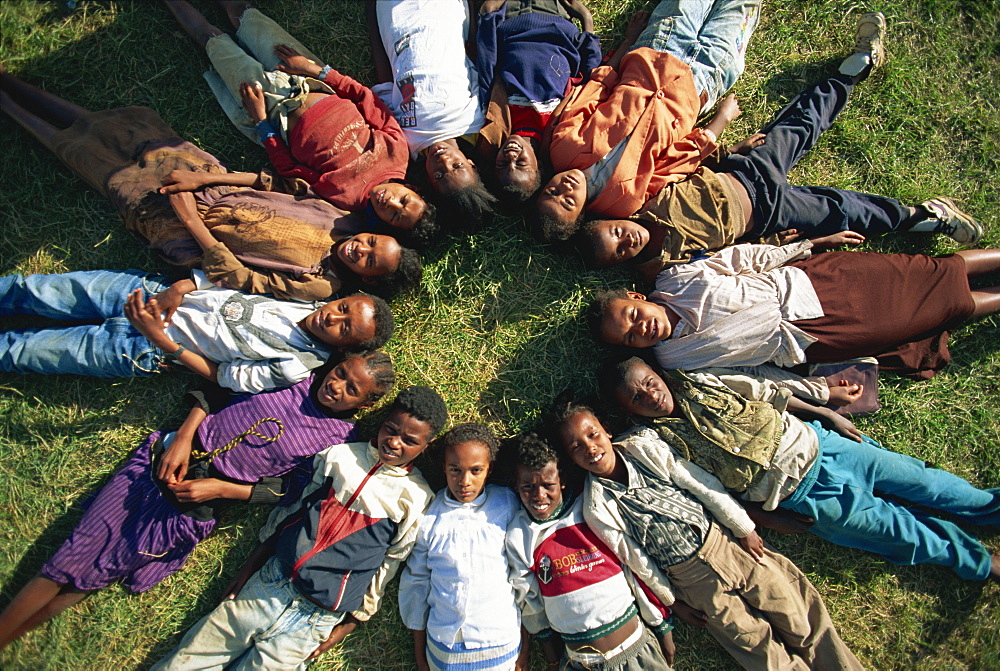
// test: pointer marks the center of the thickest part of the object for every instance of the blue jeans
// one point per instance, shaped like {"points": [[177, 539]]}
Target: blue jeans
{"points": [[108, 347], [709, 37], [848, 512], [269, 625], [812, 210]]}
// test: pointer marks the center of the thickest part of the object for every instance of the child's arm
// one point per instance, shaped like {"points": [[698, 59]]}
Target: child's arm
{"points": [[189, 180], [728, 110], [339, 633], [420, 649], [414, 591], [636, 25], [147, 318], [826, 417], [254, 562]]}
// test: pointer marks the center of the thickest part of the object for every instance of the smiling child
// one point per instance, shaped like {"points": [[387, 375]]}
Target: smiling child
{"points": [[324, 561], [454, 593], [662, 515], [142, 525]]}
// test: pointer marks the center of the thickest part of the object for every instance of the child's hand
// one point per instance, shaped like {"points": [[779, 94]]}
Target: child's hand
{"points": [[729, 109], [174, 463], [252, 96], [744, 146], [183, 180], [145, 317], [754, 545], [577, 10], [782, 521], [490, 6], [197, 491], [841, 425], [668, 647], [788, 235], [338, 634], [168, 301], [234, 588], [294, 63], [689, 614], [845, 393], [838, 239]]}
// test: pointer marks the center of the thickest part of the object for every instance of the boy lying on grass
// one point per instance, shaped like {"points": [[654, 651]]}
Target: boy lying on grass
{"points": [[686, 538], [243, 232], [746, 432], [136, 324], [324, 561], [316, 124], [745, 195], [142, 525], [585, 606]]}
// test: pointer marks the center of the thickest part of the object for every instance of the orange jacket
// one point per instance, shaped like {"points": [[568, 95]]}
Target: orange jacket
{"points": [[651, 100]]}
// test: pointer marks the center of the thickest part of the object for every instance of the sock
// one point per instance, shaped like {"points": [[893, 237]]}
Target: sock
{"points": [[855, 64]]}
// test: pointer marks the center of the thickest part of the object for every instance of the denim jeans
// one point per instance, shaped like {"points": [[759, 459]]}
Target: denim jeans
{"points": [[108, 347], [812, 210], [848, 512], [709, 37], [269, 625]]}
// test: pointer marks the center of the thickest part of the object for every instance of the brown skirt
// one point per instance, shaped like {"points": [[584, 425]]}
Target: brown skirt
{"points": [[125, 153], [896, 307]]}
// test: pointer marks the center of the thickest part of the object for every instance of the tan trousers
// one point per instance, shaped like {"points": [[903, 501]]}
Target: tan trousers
{"points": [[766, 615]]}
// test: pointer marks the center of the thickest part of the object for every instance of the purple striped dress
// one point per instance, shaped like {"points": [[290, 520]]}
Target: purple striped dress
{"points": [[131, 531]]}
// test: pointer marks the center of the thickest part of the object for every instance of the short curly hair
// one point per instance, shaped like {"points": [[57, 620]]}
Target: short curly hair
{"points": [[530, 450], [407, 274], [469, 432], [585, 241], [546, 227], [377, 363], [425, 231], [514, 194], [612, 372], [385, 326], [599, 306], [423, 403], [472, 205]]}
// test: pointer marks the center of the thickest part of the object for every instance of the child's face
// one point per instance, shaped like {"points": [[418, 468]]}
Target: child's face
{"points": [[401, 438], [397, 204], [634, 322], [588, 444], [564, 197], [349, 386], [369, 254], [344, 322], [540, 491], [517, 162], [448, 169], [617, 240], [643, 392], [466, 466]]}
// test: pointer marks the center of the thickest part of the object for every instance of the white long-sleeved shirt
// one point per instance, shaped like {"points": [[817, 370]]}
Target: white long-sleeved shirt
{"points": [[737, 308], [455, 582], [256, 340]]}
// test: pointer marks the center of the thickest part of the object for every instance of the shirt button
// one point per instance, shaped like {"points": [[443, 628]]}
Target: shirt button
{"points": [[704, 428], [736, 450], [767, 464], [659, 94]]}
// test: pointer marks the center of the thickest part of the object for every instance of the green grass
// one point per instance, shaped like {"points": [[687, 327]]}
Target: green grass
{"points": [[496, 326]]}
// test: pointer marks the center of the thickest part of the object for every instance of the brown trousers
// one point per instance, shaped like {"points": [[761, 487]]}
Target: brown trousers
{"points": [[766, 615]]}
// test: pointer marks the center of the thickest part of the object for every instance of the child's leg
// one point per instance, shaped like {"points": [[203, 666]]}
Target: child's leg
{"points": [[710, 37], [42, 130], [234, 10], [193, 22], [83, 295], [982, 262], [37, 603], [816, 211], [260, 35], [383, 67], [848, 513], [44, 105]]}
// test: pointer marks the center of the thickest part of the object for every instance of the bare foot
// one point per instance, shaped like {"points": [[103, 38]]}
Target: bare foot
{"points": [[995, 567]]}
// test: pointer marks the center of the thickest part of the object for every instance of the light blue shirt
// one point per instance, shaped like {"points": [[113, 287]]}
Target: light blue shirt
{"points": [[455, 582]]}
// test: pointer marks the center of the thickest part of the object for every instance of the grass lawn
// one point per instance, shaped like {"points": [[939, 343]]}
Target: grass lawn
{"points": [[496, 326]]}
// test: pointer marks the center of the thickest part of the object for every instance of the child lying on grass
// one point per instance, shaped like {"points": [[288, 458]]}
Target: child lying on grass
{"points": [[454, 593], [135, 324], [324, 561], [662, 516], [142, 525], [744, 430], [255, 238]]}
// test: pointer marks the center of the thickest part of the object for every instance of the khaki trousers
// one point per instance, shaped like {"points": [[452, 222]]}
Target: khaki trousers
{"points": [[766, 615]]}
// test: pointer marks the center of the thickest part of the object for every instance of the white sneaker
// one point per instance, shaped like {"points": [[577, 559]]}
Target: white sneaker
{"points": [[868, 47], [952, 222]]}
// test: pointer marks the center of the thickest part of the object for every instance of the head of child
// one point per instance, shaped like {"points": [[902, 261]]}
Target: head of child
{"points": [[355, 382], [468, 452], [358, 322], [537, 477], [406, 215], [558, 207], [607, 242], [460, 189], [416, 415], [379, 262], [636, 387], [517, 169], [586, 442], [621, 317]]}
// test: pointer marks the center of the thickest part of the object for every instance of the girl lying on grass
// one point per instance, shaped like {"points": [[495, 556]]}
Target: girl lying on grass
{"points": [[255, 239], [142, 525], [454, 593]]}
